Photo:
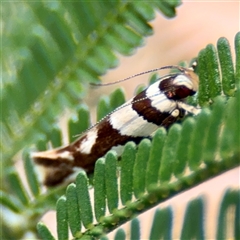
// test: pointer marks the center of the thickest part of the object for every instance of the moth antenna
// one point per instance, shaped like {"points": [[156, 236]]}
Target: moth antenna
{"points": [[115, 110], [139, 74], [141, 99], [181, 69]]}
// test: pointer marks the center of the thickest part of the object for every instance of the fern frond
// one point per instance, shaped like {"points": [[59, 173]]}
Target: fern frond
{"points": [[192, 225]]}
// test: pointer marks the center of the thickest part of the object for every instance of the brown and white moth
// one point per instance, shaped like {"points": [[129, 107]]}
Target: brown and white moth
{"points": [[161, 104]]}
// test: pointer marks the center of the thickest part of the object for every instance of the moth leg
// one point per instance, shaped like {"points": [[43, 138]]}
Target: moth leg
{"points": [[189, 108]]}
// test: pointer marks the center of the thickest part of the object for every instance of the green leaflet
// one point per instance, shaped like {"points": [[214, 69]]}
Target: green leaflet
{"points": [[227, 69], [84, 200], [62, 223], [162, 224], [44, 232], [73, 210], [135, 229], [169, 156], [99, 189], [31, 175], [141, 161], [74, 127], [16, 185], [230, 204], [120, 235], [193, 226], [127, 164], [111, 181], [155, 153]]}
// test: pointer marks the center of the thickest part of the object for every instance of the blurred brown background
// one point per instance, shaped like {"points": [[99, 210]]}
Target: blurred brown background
{"points": [[197, 24]]}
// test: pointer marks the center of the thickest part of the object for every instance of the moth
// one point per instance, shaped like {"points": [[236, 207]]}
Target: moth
{"points": [[161, 104]]}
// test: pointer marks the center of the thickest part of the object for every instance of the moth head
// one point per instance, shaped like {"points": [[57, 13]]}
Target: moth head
{"points": [[180, 85], [192, 77]]}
